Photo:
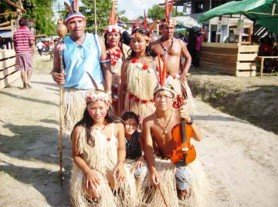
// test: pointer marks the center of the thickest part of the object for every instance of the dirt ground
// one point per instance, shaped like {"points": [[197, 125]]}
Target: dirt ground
{"points": [[238, 159]]}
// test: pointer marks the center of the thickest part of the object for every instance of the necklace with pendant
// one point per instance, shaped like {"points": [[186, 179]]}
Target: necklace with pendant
{"points": [[165, 49], [165, 131]]}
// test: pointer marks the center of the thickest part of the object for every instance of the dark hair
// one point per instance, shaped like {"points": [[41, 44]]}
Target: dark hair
{"points": [[120, 44], [87, 121], [130, 115], [126, 38], [144, 32], [22, 21]]}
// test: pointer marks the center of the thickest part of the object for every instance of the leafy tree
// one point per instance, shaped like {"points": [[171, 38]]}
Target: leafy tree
{"points": [[103, 9], [156, 12], [40, 11]]}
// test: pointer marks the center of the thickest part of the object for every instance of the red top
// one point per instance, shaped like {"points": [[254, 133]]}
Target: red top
{"points": [[22, 38]]}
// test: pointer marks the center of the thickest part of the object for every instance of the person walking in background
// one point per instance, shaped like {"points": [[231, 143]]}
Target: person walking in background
{"points": [[51, 49], [198, 49], [85, 59], [40, 46], [23, 42]]}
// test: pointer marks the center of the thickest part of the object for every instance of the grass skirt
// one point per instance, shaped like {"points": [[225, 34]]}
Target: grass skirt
{"points": [[103, 159], [74, 106]]}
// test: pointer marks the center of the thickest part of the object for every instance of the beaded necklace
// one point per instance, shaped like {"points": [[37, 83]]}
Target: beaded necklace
{"points": [[165, 49], [114, 56]]}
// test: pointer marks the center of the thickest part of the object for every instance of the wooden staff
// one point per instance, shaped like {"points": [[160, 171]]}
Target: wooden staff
{"points": [[163, 197], [61, 31]]}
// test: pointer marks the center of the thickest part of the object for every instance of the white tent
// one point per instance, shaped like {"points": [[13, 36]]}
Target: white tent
{"points": [[187, 21]]}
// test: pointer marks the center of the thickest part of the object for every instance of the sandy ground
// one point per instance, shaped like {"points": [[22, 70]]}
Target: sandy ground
{"points": [[237, 159]]}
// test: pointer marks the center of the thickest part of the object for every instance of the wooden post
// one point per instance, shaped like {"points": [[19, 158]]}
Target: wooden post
{"points": [[262, 67]]}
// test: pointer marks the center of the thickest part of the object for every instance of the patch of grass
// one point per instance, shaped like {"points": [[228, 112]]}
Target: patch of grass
{"points": [[250, 98]]}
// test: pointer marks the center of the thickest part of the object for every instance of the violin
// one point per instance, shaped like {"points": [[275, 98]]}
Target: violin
{"points": [[182, 133]]}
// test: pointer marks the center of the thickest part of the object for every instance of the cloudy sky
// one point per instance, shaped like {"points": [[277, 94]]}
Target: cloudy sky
{"points": [[135, 8]]}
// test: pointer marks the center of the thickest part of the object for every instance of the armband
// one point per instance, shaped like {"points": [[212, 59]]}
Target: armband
{"points": [[105, 61]]}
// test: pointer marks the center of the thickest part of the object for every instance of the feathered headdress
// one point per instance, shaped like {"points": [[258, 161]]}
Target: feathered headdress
{"points": [[163, 85], [96, 94], [73, 10], [168, 20], [113, 21], [144, 25]]}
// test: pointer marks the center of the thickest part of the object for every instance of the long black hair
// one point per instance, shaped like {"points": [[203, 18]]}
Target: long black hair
{"points": [[143, 32], [87, 121]]}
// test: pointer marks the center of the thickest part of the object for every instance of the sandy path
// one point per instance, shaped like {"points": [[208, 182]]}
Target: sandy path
{"points": [[238, 159]]}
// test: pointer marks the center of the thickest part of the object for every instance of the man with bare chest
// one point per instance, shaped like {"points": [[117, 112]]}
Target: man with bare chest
{"points": [[177, 59], [158, 138], [172, 50]]}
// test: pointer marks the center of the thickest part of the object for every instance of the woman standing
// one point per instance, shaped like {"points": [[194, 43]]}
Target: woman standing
{"points": [[116, 53], [139, 76]]}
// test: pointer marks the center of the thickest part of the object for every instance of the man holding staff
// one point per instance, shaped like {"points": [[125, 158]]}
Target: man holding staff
{"points": [[82, 54]]}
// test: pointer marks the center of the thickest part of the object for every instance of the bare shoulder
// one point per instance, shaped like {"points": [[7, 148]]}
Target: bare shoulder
{"points": [[76, 132], [119, 128], [149, 120], [181, 42], [155, 43], [119, 125]]}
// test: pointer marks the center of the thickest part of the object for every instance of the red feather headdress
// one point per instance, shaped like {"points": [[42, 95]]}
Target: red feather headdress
{"points": [[168, 9], [163, 84], [144, 25], [113, 21]]}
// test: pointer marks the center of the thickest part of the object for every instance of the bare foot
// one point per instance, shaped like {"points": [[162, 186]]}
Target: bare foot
{"points": [[182, 194]]}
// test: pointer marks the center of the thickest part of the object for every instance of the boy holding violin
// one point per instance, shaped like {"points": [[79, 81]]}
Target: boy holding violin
{"points": [[164, 136]]}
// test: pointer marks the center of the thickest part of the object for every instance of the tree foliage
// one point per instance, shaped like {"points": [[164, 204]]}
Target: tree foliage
{"points": [[157, 12], [103, 9], [40, 11]]}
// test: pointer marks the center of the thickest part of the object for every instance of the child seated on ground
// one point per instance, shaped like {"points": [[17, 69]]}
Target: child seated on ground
{"points": [[133, 141]]}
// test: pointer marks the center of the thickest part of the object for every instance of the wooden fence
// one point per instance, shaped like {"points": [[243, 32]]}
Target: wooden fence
{"points": [[8, 72]]}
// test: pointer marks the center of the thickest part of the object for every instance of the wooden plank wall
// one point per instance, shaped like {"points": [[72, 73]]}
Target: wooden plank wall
{"points": [[229, 58], [8, 72], [221, 59], [246, 60]]}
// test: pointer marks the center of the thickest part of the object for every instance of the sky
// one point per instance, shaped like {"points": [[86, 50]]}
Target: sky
{"points": [[135, 8]]}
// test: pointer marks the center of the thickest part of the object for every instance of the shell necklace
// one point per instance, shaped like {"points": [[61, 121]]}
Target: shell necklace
{"points": [[165, 131]]}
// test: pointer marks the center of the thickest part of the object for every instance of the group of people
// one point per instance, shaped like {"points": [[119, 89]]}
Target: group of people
{"points": [[121, 103]]}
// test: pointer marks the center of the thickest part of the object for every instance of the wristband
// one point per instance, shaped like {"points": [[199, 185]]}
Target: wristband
{"points": [[191, 121]]}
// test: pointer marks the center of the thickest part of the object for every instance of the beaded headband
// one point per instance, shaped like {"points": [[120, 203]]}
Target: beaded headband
{"points": [[73, 10], [140, 33], [113, 28], [93, 96]]}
